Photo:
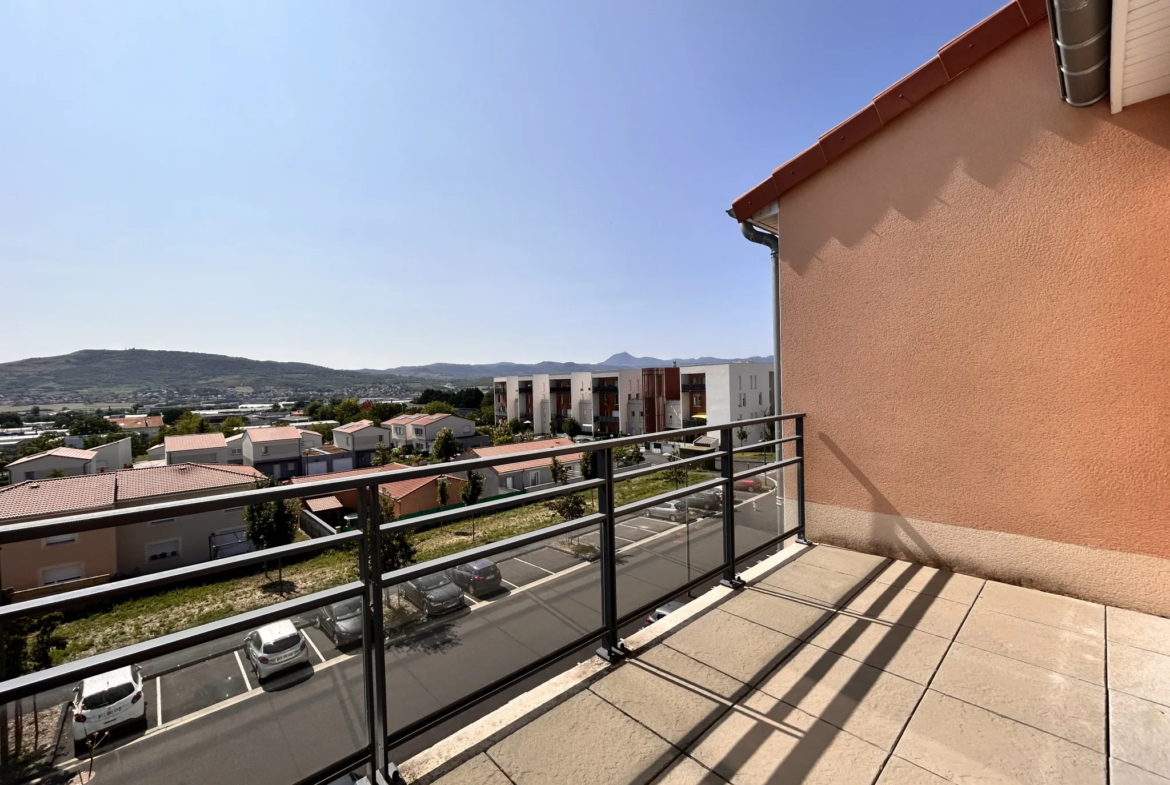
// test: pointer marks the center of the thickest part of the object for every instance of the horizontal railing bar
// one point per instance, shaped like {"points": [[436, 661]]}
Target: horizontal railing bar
{"points": [[483, 551], [486, 508], [657, 467], [100, 519], [420, 726], [334, 772], [30, 684], [760, 445], [692, 583], [669, 496], [765, 546], [767, 467], [190, 572]]}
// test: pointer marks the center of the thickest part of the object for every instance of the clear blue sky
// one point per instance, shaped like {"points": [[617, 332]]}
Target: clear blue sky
{"points": [[370, 184]]}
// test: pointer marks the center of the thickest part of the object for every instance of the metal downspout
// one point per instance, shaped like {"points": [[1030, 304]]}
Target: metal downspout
{"points": [[773, 243], [1080, 34]]}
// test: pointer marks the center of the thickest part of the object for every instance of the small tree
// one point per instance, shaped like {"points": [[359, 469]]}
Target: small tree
{"points": [[382, 455], [472, 489], [676, 475], [440, 407], [397, 549], [742, 435], [587, 472], [270, 524], [572, 427], [559, 472], [503, 434], [231, 426], [445, 447], [56, 473], [441, 491]]}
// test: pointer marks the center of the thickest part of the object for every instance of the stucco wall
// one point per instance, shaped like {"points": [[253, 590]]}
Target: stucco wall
{"points": [[976, 317], [21, 563]]}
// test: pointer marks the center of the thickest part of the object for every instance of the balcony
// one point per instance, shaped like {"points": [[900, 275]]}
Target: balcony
{"points": [[694, 387], [605, 388], [565, 386], [608, 418], [694, 423]]}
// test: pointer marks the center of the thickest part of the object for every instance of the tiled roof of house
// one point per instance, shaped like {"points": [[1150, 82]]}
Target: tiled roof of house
{"points": [[194, 441], [324, 503], [404, 419], [952, 60], [43, 498], [428, 419], [279, 433], [59, 452], [131, 423], [354, 427], [536, 463], [397, 489]]}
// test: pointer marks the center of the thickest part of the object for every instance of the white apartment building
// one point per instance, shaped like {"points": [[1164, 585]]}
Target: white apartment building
{"points": [[726, 393], [543, 397]]}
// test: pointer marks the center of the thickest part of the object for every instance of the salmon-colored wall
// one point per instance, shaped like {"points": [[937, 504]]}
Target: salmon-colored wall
{"points": [[976, 312], [21, 562]]}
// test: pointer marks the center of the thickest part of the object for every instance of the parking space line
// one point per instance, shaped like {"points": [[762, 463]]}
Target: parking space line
{"points": [[244, 673], [530, 564], [474, 600], [315, 649], [623, 539], [158, 697], [509, 583]]}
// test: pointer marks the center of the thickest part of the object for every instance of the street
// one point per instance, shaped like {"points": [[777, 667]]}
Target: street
{"points": [[207, 719]]}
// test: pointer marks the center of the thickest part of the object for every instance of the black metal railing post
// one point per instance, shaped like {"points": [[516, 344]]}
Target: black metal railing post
{"points": [[727, 467], [800, 535], [367, 628], [378, 629], [611, 647]]}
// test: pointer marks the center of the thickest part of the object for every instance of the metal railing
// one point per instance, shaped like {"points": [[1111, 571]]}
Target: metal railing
{"points": [[373, 582]]}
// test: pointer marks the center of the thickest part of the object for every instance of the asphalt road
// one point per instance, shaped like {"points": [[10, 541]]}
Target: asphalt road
{"points": [[209, 721]]}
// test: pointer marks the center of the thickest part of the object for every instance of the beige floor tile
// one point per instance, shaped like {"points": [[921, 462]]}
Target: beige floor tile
{"points": [[1061, 705], [742, 649], [903, 772], [668, 692], [1087, 618], [910, 609], [927, 580], [1139, 732], [1122, 773], [685, 771], [1139, 672], [796, 579], [907, 653], [767, 741], [477, 771], [964, 743], [583, 740], [869, 703], [798, 618], [1139, 630], [1070, 653], [861, 565]]}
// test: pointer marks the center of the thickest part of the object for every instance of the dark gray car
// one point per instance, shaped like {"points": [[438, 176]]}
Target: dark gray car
{"points": [[479, 577], [342, 621], [434, 594]]}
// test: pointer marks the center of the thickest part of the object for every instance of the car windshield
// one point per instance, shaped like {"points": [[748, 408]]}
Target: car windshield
{"points": [[430, 582], [347, 609], [109, 696], [282, 644]]}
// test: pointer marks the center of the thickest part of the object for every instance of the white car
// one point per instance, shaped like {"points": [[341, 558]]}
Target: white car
{"points": [[275, 647], [107, 701]]}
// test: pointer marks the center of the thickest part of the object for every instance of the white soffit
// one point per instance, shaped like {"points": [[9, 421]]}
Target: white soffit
{"points": [[1140, 59]]}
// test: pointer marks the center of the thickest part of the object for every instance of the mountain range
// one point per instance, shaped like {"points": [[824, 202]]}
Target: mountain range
{"points": [[619, 361]]}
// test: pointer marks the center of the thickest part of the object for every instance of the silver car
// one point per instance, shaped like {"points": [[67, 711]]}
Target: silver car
{"points": [[276, 647], [671, 511]]}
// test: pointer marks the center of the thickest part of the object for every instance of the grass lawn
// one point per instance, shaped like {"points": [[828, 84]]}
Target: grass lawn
{"points": [[121, 623]]}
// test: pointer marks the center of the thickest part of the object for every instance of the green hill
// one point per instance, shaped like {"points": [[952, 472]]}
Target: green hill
{"points": [[101, 375]]}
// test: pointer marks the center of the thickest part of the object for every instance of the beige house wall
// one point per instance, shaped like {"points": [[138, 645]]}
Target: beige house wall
{"points": [[976, 318], [22, 563], [192, 531]]}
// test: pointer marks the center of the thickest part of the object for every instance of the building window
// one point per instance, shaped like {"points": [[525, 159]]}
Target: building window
{"points": [[164, 549], [740, 382], [761, 399], [62, 573], [379, 438], [30, 475], [263, 450], [743, 399], [534, 478], [60, 539], [162, 520]]}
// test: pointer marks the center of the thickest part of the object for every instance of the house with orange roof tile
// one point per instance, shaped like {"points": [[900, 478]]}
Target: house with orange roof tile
{"points": [[411, 497], [522, 475]]}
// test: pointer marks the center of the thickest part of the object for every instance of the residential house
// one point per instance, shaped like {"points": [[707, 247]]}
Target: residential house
{"points": [[325, 459], [424, 430], [72, 461], [145, 425], [522, 475], [124, 551], [411, 497], [362, 439], [196, 448], [973, 282], [235, 445], [275, 451], [400, 433]]}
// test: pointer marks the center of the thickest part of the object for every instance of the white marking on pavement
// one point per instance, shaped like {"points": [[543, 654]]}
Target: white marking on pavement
{"points": [[315, 649], [509, 583], [623, 539], [474, 600], [243, 673], [158, 698], [530, 564]]}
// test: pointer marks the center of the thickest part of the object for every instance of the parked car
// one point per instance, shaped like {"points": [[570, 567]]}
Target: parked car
{"points": [[276, 647], [107, 701], [664, 611], [749, 484], [671, 511], [434, 594], [342, 621], [707, 501], [479, 577]]}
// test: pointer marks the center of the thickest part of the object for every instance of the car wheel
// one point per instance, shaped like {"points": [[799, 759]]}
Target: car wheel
{"points": [[333, 636], [674, 519]]}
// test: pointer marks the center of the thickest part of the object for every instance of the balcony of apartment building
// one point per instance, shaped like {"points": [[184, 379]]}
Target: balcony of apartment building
{"points": [[695, 383], [605, 385], [560, 386]]}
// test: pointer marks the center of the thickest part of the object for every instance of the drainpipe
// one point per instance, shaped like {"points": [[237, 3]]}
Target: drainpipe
{"points": [[773, 243], [1080, 33]]}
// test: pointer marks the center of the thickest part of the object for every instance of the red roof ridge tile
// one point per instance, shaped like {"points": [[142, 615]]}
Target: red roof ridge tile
{"points": [[953, 59]]}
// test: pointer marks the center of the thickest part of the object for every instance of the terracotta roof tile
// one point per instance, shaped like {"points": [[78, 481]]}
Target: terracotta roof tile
{"points": [[354, 427], [59, 452], [278, 433], [953, 59], [131, 423], [536, 463], [398, 489], [403, 419], [183, 478], [195, 441], [324, 504]]}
